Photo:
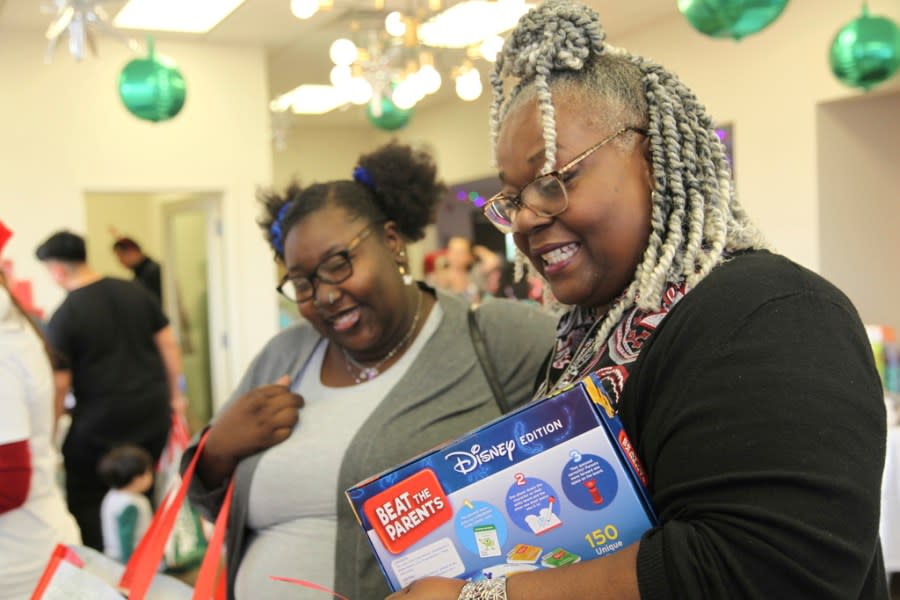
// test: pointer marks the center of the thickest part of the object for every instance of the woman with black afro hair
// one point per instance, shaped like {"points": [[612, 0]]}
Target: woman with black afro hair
{"points": [[380, 369]]}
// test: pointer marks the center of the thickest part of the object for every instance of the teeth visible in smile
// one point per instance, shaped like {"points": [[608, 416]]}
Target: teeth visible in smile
{"points": [[345, 319], [559, 254]]}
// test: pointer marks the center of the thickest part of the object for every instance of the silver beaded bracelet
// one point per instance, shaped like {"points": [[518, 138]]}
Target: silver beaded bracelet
{"points": [[490, 589]]}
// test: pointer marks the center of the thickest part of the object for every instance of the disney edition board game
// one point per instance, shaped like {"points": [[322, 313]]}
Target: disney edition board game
{"points": [[549, 484]]}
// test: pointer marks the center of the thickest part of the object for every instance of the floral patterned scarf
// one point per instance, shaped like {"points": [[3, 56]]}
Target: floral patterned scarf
{"points": [[578, 353]]}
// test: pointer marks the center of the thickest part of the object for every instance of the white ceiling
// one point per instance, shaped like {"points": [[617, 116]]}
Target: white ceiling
{"points": [[298, 50]]}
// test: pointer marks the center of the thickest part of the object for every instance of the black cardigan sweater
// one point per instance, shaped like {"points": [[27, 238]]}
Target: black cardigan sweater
{"points": [[760, 419]]}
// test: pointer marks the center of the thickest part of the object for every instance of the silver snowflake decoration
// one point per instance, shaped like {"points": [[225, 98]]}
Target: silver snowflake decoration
{"points": [[281, 127], [81, 20]]}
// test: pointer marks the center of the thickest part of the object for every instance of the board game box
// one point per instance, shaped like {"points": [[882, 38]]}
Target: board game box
{"points": [[550, 484]]}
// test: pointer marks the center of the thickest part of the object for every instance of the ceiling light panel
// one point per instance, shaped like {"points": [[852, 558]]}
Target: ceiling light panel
{"points": [[175, 15], [471, 22], [311, 100]]}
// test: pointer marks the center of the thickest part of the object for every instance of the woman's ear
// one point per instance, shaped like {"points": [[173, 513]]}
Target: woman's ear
{"points": [[395, 242]]}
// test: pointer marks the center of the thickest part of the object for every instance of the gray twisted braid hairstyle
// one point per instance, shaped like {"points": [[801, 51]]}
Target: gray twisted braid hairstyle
{"points": [[695, 217]]}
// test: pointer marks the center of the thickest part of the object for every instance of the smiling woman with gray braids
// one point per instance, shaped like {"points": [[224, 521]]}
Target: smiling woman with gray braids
{"points": [[744, 381], [695, 216]]}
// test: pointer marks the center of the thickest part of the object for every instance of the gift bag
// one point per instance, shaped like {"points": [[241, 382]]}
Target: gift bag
{"points": [[82, 573], [76, 572], [65, 578], [187, 542]]}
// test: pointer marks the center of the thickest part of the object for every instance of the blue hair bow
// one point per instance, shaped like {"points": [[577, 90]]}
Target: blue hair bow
{"points": [[275, 229], [361, 175]]}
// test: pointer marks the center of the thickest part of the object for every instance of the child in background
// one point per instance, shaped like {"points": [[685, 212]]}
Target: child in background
{"points": [[125, 513]]}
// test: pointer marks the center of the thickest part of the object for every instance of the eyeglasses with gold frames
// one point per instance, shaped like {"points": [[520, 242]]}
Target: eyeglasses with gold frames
{"points": [[545, 195]]}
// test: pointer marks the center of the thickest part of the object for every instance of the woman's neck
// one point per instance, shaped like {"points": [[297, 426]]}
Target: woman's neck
{"points": [[357, 370]]}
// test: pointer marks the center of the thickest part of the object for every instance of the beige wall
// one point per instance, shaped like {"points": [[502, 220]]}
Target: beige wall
{"points": [[132, 215], [459, 136], [456, 133], [859, 187], [768, 85], [64, 133], [315, 154]]}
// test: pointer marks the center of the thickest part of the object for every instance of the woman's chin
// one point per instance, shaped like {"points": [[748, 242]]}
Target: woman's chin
{"points": [[569, 295]]}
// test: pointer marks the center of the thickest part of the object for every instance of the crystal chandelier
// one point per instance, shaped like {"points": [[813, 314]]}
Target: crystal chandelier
{"points": [[408, 55]]}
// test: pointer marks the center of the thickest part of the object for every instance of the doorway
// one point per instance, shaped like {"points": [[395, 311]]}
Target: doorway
{"points": [[192, 250], [182, 231]]}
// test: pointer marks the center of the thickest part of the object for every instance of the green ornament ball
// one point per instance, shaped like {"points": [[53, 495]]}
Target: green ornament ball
{"points": [[865, 51], [731, 18], [391, 117], [152, 88]]}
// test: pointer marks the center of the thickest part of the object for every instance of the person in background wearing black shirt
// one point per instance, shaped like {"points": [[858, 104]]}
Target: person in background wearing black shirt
{"points": [[116, 351], [146, 270]]}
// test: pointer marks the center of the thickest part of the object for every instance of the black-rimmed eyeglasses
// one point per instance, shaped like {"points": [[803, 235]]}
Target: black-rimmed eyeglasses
{"points": [[336, 268], [545, 195]]}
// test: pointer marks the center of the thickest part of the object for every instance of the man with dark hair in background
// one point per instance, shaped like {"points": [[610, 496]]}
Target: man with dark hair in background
{"points": [[117, 353], [146, 270]]}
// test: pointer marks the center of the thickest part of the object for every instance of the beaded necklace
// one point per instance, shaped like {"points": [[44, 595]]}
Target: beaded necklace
{"points": [[369, 372]]}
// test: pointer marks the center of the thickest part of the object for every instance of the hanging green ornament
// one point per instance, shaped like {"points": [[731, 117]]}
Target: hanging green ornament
{"points": [[384, 114], [731, 18], [866, 51], [152, 88]]}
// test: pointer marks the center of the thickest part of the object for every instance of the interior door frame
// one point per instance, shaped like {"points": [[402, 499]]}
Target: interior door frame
{"points": [[211, 205]]}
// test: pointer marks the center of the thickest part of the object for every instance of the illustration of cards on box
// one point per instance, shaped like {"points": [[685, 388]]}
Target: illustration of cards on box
{"points": [[550, 484]]}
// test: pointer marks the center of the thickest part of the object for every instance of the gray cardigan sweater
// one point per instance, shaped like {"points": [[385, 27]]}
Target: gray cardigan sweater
{"points": [[443, 395]]}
